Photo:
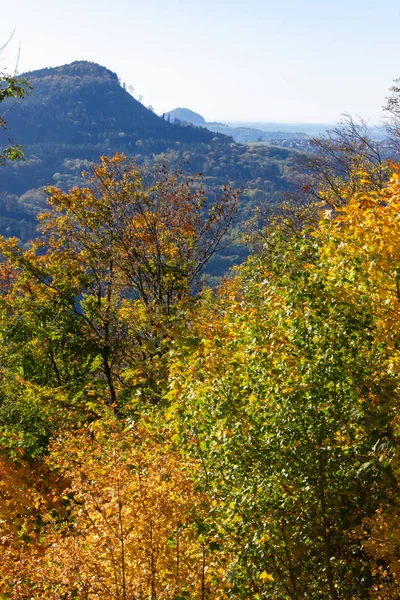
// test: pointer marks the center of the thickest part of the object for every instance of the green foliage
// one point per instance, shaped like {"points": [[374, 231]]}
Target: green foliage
{"points": [[12, 89], [26, 422], [234, 444], [289, 405]]}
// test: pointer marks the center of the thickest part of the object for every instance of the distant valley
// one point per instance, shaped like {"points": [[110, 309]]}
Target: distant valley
{"points": [[310, 129]]}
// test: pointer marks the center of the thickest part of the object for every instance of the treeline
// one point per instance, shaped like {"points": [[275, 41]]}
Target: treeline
{"points": [[163, 441]]}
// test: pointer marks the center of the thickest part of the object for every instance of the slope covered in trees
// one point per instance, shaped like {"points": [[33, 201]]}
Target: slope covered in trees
{"points": [[158, 443], [83, 103], [79, 112]]}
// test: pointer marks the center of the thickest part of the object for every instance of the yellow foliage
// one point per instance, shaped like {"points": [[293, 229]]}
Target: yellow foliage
{"points": [[130, 530]]}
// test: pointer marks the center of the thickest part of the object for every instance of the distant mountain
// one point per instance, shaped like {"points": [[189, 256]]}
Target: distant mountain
{"points": [[310, 129], [185, 115], [241, 133]]}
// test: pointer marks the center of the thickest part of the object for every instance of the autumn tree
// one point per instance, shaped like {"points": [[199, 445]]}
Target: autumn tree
{"points": [[126, 525], [368, 230], [109, 278], [291, 394], [28, 490]]}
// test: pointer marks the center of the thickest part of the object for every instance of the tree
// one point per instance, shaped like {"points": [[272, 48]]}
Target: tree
{"points": [[119, 259], [28, 490], [289, 400], [124, 526], [12, 88], [368, 228], [337, 158], [392, 110]]}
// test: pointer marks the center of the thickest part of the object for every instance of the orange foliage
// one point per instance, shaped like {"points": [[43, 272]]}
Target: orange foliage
{"points": [[128, 529], [26, 492]]}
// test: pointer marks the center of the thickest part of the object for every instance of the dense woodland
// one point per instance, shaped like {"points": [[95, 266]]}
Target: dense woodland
{"points": [[163, 440], [77, 113]]}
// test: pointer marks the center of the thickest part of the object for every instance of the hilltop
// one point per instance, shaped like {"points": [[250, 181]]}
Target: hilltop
{"points": [[84, 103], [185, 115]]}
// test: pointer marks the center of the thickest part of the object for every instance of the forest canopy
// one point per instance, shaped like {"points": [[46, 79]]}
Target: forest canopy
{"points": [[160, 439], [164, 442]]}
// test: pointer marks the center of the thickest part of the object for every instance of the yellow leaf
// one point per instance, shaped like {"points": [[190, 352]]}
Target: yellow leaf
{"points": [[266, 576]]}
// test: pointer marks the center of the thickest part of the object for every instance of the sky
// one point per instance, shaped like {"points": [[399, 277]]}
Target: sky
{"points": [[229, 60]]}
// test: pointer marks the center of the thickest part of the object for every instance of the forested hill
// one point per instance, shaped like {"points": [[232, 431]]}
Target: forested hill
{"points": [[84, 103], [79, 112]]}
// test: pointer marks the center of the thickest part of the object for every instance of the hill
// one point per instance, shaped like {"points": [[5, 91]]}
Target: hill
{"points": [[84, 103], [186, 115], [75, 114], [79, 112], [242, 134]]}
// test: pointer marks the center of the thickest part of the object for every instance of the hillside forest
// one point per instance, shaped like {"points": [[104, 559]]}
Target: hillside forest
{"points": [[79, 112], [161, 439]]}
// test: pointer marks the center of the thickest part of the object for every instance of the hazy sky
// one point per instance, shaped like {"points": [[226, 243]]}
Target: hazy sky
{"points": [[250, 60]]}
